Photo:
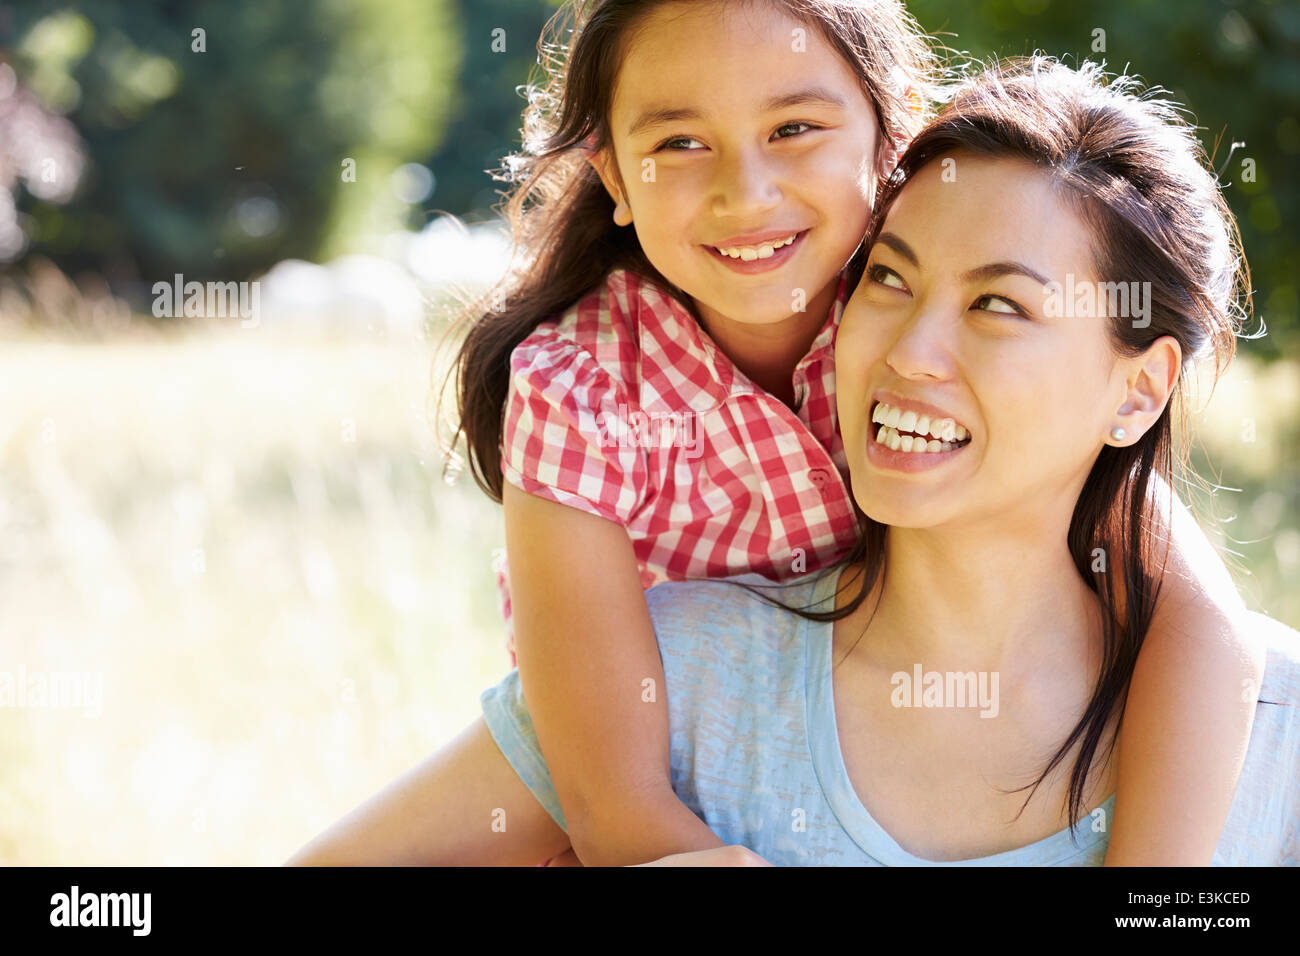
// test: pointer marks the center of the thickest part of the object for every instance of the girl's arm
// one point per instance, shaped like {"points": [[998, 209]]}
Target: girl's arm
{"points": [[1190, 708], [464, 806], [591, 674]]}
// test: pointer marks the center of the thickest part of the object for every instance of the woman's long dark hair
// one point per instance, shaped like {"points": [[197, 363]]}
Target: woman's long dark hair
{"points": [[561, 218], [1133, 168]]}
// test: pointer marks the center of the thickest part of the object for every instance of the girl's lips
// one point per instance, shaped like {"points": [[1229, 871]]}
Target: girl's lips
{"points": [[774, 261]]}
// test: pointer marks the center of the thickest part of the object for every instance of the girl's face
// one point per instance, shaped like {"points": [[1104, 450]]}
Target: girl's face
{"points": [[735, 127], [952, 321]]}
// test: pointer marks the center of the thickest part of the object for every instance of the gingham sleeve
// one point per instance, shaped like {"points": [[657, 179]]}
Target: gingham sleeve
{"points": [[561, 437]]}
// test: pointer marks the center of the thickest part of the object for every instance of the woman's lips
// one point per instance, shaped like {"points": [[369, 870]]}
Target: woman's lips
{"points": [[777, 259], [883, 456], [902, 439]]}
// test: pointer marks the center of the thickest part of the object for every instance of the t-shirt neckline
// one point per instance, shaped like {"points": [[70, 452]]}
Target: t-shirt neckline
{"points": [[833, 776]]}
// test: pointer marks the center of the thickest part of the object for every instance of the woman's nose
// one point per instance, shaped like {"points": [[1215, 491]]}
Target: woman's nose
{"points": [[923, 346]]}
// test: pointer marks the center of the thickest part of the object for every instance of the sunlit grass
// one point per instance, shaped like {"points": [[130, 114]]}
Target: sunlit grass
{"points": [[250, 539], [253, 543]]}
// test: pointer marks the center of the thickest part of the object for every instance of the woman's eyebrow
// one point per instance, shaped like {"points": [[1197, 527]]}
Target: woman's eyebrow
{"points": [[891, 241], [992, 270], [995, 270], [808, 96]]}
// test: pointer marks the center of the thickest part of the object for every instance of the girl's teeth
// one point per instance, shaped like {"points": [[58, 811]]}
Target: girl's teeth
{"points": [[763, 251], [907, 422], [923, 425], [892, 416]]}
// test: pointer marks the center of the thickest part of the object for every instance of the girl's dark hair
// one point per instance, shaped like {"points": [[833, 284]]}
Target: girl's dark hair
{"points": [[1132, 167], [561, 218]]}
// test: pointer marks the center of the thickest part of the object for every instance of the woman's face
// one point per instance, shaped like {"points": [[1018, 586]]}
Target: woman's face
{"points": [[951, 321], [740, 128]]}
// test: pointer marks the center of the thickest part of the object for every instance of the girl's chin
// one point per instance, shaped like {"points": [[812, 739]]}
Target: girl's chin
{"points": [[757, 308], [754, 300]]}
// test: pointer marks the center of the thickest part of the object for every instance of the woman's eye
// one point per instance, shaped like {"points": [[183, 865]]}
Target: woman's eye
{"points": [[997, 305], [887, 277]]}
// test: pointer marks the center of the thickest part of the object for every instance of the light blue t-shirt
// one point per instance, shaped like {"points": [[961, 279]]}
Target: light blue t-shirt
{"points": [[755, 751]]}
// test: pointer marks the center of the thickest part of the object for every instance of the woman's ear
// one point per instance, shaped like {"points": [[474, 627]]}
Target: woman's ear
{"points": [[603, 162], [1149, 379]]}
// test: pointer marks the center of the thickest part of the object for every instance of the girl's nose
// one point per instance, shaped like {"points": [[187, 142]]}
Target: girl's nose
{"points": [[746, 186]]}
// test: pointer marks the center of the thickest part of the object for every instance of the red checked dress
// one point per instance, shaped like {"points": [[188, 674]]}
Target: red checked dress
{"points": [[623, 407]]}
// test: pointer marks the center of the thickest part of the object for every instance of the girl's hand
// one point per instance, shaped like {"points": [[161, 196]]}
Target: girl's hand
{"points": [[719, 856]]}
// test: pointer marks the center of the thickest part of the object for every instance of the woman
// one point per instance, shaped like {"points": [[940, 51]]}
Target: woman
{"points": [[954, 693]]}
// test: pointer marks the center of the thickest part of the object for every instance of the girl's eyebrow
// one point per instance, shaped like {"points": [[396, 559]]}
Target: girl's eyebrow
{"points": [[808, 96], [992, 270]]}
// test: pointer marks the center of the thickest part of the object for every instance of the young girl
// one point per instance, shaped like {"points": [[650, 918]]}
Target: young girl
{"points": [[742, 142]]}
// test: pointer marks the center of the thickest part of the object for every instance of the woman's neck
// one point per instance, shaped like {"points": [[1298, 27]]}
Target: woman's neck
{"points": [[977, 599]]}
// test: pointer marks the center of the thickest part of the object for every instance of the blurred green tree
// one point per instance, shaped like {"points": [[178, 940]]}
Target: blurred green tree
{"points": [[500, 50], [217, 130]]}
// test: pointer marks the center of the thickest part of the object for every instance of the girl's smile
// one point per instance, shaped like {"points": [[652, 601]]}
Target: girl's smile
{"points": [[754, 255]]}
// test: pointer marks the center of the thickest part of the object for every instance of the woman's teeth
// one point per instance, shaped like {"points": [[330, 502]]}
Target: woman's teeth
{"points": [[750, 253], [931, 434]]}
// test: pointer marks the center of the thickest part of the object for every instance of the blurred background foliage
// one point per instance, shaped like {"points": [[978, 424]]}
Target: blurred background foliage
{"points": [[246, 532], [220, 153]]}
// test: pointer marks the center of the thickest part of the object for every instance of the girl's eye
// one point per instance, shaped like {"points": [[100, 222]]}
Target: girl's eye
{"points": [[799, 129], [667, 144], [795, 126], [883, 275], [997, 305]]}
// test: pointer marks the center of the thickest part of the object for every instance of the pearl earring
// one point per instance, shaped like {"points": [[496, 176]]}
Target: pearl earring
{"points": [[1118, 434]]}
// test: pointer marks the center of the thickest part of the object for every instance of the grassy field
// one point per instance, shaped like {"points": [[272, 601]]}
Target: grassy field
{"points": [[253, 543], [249, 539]]}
